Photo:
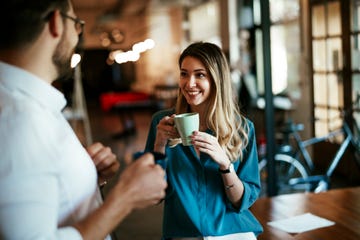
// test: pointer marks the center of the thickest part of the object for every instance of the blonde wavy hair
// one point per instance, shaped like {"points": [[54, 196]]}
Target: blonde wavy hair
{"points": [[223, 116]]}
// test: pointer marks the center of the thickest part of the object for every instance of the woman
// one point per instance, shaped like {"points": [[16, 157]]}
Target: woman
{"points": [[212, 184]]}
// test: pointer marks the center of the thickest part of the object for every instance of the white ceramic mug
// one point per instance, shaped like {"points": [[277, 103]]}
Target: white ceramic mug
{"points": [[186, 124]]}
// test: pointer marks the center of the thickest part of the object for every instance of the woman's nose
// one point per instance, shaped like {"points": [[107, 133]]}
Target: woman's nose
{"points": [[192, 81]]}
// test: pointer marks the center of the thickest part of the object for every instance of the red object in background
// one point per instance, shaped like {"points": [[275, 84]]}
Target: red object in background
{"points": [[109, 100], [262, 145]]}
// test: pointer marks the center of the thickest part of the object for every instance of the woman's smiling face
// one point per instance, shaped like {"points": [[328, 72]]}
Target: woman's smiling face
{"points": [[195, 81]]}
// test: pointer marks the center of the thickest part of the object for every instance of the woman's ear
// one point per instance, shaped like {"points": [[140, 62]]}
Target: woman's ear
{"points": [[56, 24]]}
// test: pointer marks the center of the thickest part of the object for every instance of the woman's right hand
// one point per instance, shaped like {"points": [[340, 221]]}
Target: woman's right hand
{"points": [[165, 131]]}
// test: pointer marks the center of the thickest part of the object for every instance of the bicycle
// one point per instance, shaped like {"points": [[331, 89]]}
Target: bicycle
{"points": [[286, 166], [321, 182], [294, 167]]}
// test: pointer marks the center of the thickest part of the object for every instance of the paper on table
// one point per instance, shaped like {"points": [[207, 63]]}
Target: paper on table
{"points": [[301, 223]]}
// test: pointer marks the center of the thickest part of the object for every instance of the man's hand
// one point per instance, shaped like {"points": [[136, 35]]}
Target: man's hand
{"points": [[141, 184], [105, 161]]}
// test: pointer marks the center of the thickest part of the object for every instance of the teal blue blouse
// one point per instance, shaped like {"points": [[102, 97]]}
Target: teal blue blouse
{"points": [[196, 203]]}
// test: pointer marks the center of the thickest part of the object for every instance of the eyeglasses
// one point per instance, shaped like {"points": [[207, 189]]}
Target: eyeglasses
{"points": [[79, 24]]}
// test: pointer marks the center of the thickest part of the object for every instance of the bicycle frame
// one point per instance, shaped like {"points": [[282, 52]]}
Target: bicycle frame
{"points": [[321, 182], [302, 145], [316, 180]]}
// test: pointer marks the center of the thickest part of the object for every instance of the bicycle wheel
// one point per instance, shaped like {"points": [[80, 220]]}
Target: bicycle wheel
{"points": [[286, 168]]}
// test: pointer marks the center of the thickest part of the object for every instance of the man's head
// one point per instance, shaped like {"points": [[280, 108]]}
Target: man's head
{"points": [[21, 21], [24, 22]]}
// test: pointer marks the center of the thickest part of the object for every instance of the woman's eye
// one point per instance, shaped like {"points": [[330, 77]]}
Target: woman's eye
{"points": [[183, 74], [201, 75]]}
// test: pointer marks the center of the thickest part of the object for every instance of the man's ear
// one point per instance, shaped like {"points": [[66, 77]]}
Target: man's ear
{"points": [[56, 24]]}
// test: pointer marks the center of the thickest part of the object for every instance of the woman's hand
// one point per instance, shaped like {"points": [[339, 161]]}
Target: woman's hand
{"points": [[234, 188], [165, 131], [208, 144]]}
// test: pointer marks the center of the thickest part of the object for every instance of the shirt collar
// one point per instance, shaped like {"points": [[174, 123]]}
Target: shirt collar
{"points": [[17, 79]]}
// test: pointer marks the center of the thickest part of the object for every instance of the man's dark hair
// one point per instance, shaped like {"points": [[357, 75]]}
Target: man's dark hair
{"points": [[21, 21]]}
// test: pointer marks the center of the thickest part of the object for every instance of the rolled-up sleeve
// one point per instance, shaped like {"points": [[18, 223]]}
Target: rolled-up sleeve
{"points": [[248, 172]]}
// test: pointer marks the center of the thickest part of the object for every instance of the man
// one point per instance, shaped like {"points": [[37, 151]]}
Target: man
{"points": [[48, 181]]}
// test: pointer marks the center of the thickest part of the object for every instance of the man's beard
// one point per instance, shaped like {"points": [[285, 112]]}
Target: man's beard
{"points": [[62, 60]]}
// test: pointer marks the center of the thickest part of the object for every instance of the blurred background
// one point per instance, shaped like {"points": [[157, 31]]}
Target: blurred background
{"points": [[302, 55]]}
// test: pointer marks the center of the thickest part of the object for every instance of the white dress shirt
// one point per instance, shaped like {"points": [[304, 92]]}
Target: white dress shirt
{"points": [[47, 179]]}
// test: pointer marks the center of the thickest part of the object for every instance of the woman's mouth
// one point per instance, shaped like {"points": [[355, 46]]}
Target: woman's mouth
{"points": [[193, 93]]}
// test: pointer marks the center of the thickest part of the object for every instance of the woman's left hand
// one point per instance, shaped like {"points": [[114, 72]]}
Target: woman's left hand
{"points": [[208, 144]]}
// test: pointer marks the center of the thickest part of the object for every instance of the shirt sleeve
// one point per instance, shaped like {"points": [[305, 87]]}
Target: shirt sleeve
{"points": [[28, 209], [248, 172], [29, 182], [149, 146]]}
